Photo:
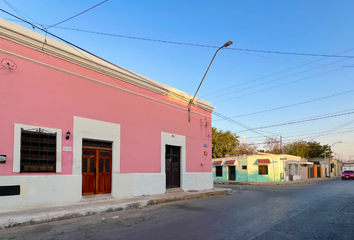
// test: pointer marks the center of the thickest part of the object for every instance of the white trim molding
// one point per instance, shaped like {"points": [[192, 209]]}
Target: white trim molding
{"points": [[85, 128], [17, 145], [28, 38]]}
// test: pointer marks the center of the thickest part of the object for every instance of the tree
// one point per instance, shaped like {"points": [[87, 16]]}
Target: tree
{"points": [[297, 148], [304, 149], [246, 148], [272, 145], [223, 142]]}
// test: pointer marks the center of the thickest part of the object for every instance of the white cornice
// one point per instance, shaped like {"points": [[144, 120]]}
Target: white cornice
{"points": [[33, 40]]}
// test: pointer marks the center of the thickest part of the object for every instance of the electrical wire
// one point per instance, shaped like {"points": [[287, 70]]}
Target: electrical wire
{"points": [[291, 105], [169, 92], [295, 122], [76, 14], [280, 85], [238, 123], [274, 80], [209, 46], [270, 75]]}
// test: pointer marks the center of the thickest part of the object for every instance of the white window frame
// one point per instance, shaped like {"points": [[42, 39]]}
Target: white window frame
{"points": [[16, 168]]}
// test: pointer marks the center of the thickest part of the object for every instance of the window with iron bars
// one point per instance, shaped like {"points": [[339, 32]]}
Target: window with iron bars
{"points": [[262, 170], [218, 171], [38, 150]]}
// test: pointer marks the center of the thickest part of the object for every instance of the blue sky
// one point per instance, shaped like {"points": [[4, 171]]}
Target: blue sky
{"points": [[318, 27]]}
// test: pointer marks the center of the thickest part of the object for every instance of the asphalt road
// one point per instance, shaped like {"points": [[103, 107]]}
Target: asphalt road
{"points": [[312, 210]]}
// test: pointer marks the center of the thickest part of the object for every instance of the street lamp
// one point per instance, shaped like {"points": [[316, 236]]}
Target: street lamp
{"points": [[329, 159], [191, 101]]}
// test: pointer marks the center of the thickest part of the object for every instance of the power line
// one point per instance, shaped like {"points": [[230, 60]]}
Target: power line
{"points": [[280, 85], [77, 14], [257, 79], [291, 105], [207, 46], [75, 46], [238, 123], [311, 131], [274, 80], [295, 122]]}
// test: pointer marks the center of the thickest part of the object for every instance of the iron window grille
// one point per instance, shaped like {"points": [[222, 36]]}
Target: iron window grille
{"points": [[244, 167], [96, 144], [218, 171], [38, 150], [262, 170]]}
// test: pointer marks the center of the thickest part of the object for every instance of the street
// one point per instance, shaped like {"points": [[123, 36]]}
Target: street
{"points": [[310, 210]]}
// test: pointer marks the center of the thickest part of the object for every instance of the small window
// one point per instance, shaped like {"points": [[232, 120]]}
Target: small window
{"points": [[38, 150], [244, 167], [262, 170], [218, 171]]}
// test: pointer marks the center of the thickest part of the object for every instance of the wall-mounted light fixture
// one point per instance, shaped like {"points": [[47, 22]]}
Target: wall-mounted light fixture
{"points": [[68, 135]]}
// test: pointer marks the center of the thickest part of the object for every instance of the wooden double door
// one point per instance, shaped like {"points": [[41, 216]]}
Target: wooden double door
{"points": [[173, 166], [96, 171]]}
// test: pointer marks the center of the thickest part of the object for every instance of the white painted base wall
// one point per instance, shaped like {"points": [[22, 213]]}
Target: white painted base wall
{"points": [[295, 178], [137, 184], [44, 191], [41, 191], [197, 181]]}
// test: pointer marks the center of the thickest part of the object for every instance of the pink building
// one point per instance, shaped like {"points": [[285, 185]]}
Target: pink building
{"points": [[73, 124]]}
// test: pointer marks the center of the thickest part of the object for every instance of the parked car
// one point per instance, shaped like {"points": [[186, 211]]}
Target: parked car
{"points": [[348, 175]]}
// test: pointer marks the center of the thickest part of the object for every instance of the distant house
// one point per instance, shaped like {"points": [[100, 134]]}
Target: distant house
{"points": [[320, 167], [258, 167], [73, 124]]}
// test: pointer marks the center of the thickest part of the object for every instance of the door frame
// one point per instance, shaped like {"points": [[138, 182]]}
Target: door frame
{"points": [[172, 167], [178, 141], [85, 128]]}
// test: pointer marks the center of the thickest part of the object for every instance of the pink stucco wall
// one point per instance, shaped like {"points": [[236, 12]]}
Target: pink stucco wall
{"points": [[38, 95]]}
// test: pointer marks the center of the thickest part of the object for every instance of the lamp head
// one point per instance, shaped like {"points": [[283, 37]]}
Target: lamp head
{"points": [[227, 44]]}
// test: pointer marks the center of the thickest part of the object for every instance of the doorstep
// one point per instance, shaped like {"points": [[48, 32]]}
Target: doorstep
{"points": [[174, 190], [96, 197]]}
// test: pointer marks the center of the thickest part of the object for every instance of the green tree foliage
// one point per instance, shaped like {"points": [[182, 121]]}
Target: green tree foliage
{"points": [[310, 149], [223, 142]]}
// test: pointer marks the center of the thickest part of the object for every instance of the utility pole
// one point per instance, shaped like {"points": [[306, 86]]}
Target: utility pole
{"points": [[281, 145]]}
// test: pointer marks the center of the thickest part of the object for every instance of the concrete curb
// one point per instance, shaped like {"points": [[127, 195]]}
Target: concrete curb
{"points": [[195, 196], [29, 219], [36, 216]]}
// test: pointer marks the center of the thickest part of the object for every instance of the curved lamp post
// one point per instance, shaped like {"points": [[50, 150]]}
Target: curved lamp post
{"points": [[191, 101], [329, 159]]}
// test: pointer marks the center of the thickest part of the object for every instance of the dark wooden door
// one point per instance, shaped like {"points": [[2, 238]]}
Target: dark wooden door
{"points": [[96, 171], [232, 173], [173, 167], [311, 172]]}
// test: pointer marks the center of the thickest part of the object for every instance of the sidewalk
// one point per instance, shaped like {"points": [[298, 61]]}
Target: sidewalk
{"points": [[273, 183], [97, 205]]}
